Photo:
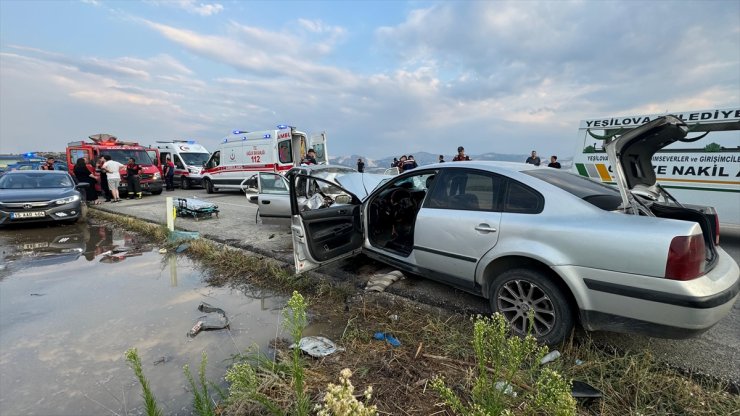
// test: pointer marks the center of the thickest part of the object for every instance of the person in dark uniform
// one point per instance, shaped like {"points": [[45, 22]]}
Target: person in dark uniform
{"points": [[360, 165], [133, 179]]}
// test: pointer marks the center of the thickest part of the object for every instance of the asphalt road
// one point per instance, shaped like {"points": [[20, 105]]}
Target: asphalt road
{"points": [[710, 354]]}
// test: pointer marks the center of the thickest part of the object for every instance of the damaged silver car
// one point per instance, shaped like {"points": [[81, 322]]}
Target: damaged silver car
{"points": [[542, 242]]}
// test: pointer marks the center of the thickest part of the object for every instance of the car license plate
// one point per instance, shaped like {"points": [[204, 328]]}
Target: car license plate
{"points": [[32, 214], [31, 246]]}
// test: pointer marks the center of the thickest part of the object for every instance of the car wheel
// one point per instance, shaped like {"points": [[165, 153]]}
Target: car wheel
{"points": [[159, 192], [208, 185], [515, 293], [184, 183]]}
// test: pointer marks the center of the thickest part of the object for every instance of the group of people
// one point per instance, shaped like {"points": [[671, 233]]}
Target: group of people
{"points": [[110, 178], [533, 159], [404, 163]]}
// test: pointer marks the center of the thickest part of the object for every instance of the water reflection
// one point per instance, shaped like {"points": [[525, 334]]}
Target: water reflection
{"points": [[67, 315]]}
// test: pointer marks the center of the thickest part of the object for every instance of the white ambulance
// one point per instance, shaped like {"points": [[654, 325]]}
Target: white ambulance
{"points": [[703, 169], [188, 157], [242, 154]]}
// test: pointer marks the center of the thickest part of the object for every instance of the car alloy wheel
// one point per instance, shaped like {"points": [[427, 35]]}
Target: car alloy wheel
{"points": [[517, 293]]}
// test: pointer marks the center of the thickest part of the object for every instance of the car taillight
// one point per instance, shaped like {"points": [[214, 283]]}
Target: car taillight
{"points": [[716, 229], [686, 258]]}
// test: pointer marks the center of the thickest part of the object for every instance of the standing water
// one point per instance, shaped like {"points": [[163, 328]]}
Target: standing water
{"points": [[73, 299]]}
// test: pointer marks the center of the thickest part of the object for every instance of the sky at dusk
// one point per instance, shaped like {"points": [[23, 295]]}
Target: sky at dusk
{"points": [[380, 77]]}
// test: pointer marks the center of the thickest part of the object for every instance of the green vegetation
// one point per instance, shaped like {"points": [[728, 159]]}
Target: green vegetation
{"points": [[150, 402], [503, 362], [437, 363], [202, 401]]}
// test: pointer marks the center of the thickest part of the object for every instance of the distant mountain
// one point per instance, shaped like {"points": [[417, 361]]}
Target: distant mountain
{"points": [[422, 158]]}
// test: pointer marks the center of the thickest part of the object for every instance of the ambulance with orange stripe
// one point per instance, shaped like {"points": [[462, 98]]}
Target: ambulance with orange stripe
{"points": [[242, 154], [702, 169]]}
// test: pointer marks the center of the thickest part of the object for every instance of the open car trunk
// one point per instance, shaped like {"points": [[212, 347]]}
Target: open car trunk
{"points": [[631, 156]]}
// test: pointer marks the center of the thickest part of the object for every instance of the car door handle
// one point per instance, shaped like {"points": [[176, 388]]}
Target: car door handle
{"points": [[485, 228], [342, 212], [265, 202]]}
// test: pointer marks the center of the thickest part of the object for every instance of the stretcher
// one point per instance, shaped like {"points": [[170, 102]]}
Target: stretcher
{"points": [[195, 208]]}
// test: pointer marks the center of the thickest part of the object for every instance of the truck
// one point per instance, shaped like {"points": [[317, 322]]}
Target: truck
{"points": [[120, 151], [703, 168], [241, 154], [189, 158]]}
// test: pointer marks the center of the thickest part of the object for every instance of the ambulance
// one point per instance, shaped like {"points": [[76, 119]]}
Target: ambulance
{"points": [[241, 154], [189, 158], [703, 168]]}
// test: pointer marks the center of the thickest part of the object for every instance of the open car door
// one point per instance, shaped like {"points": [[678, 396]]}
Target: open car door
{"points": [[325, 222], [273, 196], [318, 144]]}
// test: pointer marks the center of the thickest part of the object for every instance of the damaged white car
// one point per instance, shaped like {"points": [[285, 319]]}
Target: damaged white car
{"points": [[542, 242]]}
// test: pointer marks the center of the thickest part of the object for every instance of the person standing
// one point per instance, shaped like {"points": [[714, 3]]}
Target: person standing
{"points": [[554, 162], [460, 156], [169, 174], [310, 158], [103, 180], [83, 173], [49, 164], [113, 172], [394, 164], [360, 165], [441, 159], [533, 159], [410, 163], [133, 180]]}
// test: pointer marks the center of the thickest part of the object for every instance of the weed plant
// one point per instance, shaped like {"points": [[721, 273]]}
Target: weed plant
{"points": [[150, 402], [508, 376]]}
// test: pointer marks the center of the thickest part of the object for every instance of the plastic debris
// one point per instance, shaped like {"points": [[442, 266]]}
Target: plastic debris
{"points": [[551, 356], [393, 317], [505, 387], [382, 336], [579, 362], [317, 347], [379, 282], [581, 390], [216, 319], [162, 251], [182, 247], [183, 235]]}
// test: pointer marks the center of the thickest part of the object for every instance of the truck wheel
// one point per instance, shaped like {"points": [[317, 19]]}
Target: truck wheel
{"points": [[184, 183], [516, 292], [208, 185]]}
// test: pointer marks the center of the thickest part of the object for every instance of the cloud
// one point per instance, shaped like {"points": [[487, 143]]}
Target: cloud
{"points": [[192, 6]]}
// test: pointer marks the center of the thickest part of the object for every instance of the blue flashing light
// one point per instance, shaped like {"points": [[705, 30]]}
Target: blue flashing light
{"points": [[191, 141], [239, 131], [225, 140], [282, 127], [30, 154], [244, 139], [266, 136]]}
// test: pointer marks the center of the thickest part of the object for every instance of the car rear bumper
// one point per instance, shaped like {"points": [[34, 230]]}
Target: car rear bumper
{"points": [[654, 306]]}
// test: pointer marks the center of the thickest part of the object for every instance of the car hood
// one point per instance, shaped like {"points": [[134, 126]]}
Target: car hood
{"points": [[361, 184], [631, 154], [34, 195]]}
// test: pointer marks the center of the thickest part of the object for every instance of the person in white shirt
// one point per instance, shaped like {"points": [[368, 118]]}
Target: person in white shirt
{"points": [[112, 170]]}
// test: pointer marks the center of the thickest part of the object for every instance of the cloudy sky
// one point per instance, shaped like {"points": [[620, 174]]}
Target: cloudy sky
{"points": [[381, 77]]}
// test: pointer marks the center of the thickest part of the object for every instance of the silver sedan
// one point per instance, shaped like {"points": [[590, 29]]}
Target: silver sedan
{"points": [[540, 244]]}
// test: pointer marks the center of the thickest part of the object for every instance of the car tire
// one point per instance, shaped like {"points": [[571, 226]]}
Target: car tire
{"points": [[185, 183], [159, 192], [209, 186], [514, 292]]}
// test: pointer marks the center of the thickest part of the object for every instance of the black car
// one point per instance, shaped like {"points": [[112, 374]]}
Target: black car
{"points": [[40, 196]]}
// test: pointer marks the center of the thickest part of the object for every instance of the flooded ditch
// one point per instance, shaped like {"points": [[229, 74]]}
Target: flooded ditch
{"points": [[73, 299]]}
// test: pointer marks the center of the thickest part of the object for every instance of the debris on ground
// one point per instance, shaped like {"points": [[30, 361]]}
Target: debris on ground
{"points": [[505, 387], [182, 247], [379, 282], [582, 390], [383, 336], [183, 235], [216, 319], [579, 362], [317, 347], [551, 356], [162, 251]]}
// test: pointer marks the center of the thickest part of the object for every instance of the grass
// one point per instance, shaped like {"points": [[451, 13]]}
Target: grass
{"points": [[434, 343]]}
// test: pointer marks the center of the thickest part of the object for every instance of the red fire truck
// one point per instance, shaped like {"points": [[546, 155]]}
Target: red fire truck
{"points": [[120, 151]]}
